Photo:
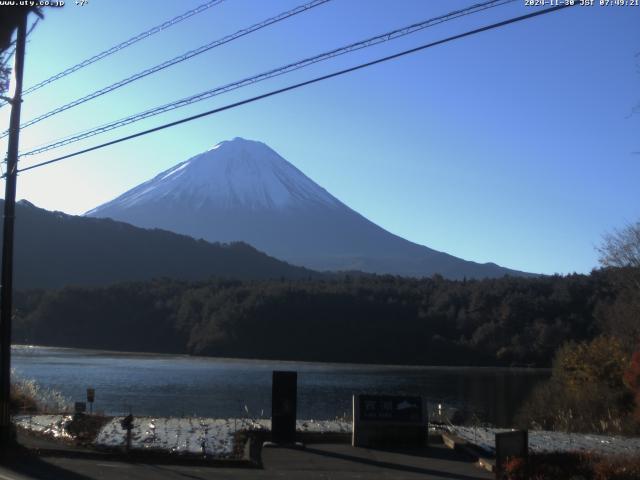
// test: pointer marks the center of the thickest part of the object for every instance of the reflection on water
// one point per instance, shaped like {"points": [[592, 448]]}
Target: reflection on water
{"points": [[150, 384]]}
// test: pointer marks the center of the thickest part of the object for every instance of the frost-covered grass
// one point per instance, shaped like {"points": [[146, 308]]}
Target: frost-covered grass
{"points": [[215, 437], [28, 396], [546, 441], [212, 436]]}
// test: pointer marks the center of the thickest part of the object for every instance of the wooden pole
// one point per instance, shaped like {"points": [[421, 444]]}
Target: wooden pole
{"points": [[6, 279]]}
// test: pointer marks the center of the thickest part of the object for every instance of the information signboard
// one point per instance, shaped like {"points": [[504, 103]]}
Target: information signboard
{"points": [[390, 408], [389, 420]]}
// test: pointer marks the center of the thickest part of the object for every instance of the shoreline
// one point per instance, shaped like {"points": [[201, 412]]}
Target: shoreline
{"points": [[294, 362]]}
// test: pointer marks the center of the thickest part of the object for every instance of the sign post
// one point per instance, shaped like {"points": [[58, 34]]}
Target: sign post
{"points": [[127, 424], [91, 396], [80, 407]]}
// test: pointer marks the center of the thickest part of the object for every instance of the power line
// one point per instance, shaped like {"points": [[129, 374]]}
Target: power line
{"points": [[122, 45], [385, 37], [180, 58], [302, 84]]}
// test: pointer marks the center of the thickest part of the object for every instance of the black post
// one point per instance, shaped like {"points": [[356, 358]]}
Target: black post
{"points": [[6, 287], [127, 424], [284, 407]]}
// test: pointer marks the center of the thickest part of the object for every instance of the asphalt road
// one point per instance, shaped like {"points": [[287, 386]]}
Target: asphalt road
{"points": [[317, 461]]}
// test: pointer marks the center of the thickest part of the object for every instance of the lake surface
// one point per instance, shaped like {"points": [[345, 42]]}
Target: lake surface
{"points": [[176, 385]]}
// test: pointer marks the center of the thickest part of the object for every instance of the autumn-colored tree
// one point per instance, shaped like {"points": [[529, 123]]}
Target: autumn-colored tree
{"points": [[601, 361], [586, 392], [632, 381]]}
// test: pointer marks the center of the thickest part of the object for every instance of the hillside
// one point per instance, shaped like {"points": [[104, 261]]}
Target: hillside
{"points": [[53, 249]]}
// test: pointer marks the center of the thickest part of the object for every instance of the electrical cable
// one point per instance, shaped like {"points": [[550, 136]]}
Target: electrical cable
{"points": [[385, 37], [122, 45], [303, 84], [180, 58]]}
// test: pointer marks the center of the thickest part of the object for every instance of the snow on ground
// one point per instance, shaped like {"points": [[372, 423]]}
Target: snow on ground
{"points": [[546, 441], [193, 435], [217, 435], [322, 426], [50, 425], [213, 436]]}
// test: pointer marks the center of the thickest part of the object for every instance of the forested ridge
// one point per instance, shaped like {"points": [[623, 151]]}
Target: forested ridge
{"points": [[53, 249], [373, 319]]}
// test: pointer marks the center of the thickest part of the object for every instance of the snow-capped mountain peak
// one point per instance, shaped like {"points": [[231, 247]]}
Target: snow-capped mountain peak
{"points": [[233, 173], [243, 190]]}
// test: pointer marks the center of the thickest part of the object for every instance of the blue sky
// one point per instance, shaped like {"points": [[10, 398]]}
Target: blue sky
{"points": [[513, 146]]}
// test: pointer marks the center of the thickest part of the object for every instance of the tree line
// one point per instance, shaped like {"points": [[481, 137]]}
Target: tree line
{"points": [[350, 318]]}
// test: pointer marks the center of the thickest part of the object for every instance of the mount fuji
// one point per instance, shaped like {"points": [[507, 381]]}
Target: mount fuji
{"points": [[242, 190]]}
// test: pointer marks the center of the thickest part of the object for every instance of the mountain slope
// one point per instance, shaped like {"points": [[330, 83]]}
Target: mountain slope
{"points": [[53, 249], [243, 190]]}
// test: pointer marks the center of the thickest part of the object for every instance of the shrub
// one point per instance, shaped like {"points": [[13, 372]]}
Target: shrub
{"points": [[515, 469], [586, 392], [632, 381], [616, 468], [22, 399], [601, 361], [29, 397], [546, 466]]}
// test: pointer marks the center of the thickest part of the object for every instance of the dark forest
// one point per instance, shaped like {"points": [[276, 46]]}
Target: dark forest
{"points": [[373, 319]]}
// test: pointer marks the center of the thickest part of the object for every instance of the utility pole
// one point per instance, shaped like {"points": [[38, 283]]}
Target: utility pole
{"points": [[6, 287]]}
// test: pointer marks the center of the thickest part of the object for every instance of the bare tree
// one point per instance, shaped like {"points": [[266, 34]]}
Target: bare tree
{"points": [[621, 249], [5, 71], [620, 253], [9, 19]]}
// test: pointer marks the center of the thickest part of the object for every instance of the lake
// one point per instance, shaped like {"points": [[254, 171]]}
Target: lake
{"points": [[178, 385]]}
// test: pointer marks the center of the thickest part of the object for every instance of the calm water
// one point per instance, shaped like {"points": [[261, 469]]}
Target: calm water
{"points": [[180, 385]]}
